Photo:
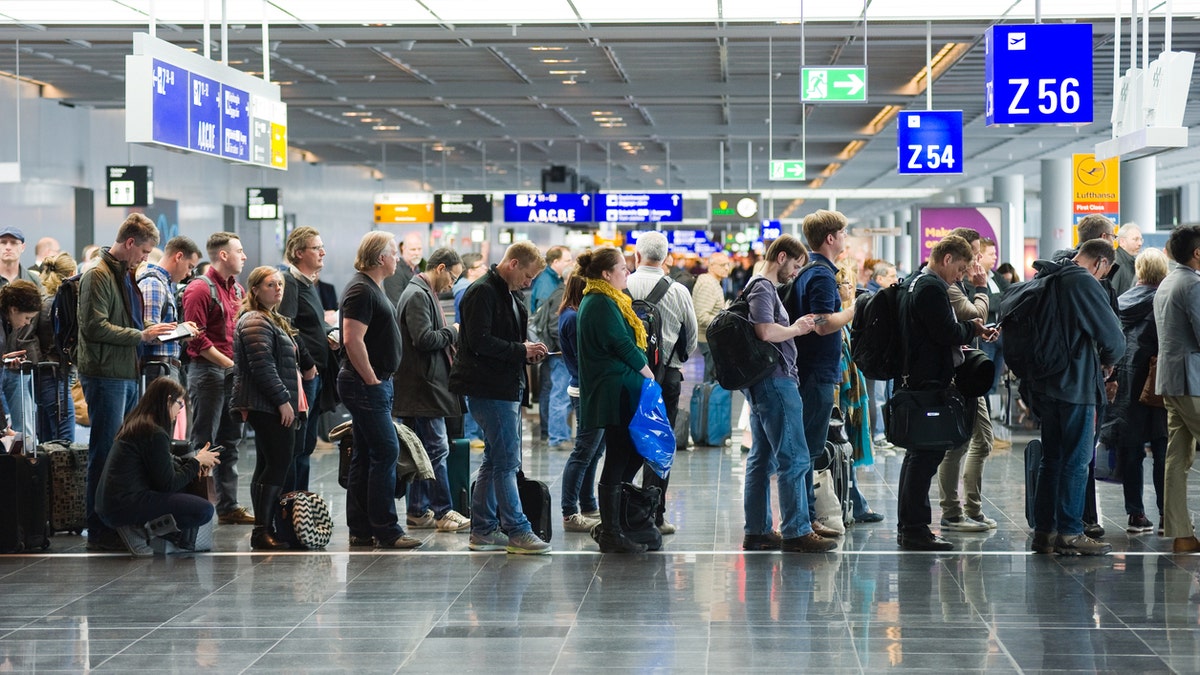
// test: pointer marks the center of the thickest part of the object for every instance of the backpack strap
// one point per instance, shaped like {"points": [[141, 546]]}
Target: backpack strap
{"points": [[659, 291]]}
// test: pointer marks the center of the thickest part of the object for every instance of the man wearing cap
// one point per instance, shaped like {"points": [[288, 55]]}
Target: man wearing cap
{"points": [[12, 246]]}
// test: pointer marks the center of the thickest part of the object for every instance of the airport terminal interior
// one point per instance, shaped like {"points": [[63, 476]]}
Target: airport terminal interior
{"points": [[732, 121]]}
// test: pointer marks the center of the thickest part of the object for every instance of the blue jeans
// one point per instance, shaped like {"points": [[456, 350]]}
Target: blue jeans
{"points": [[55, 408], [579, 475], [371, 494], [555, 402], [1068, 441], [210, 388], [878, 392], [108, 399], [995, 352], [776, 419], [471, 428], [435, 492], [188, 510], [20, 417], [818, 407], [495, 502], [306, 440]]}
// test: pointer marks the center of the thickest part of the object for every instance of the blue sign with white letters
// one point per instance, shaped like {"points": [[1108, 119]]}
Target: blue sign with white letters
{"points": [[1039, 74], [170, 103], [235, 123], [538, 207], [205, 102], [625, 207], [930, 142]]}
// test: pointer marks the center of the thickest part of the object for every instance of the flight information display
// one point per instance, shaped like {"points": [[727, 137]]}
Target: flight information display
{"points": [[557, 207], [647, 207]]}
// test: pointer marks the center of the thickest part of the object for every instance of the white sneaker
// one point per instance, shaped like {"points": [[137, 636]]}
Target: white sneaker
{"points": [[425, 521], [964, 524], [453, 521], [577, 522]]}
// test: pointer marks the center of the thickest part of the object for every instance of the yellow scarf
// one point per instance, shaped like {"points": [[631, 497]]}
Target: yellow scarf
{"points": [[624, 303]]}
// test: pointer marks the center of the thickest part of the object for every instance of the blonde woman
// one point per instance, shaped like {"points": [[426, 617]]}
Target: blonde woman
{"points": [[55, 409], [266, 392]]}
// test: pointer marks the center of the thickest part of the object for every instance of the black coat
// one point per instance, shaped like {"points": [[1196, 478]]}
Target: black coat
{"points": [[265, 359], [490, 362], [302, 306], [422, 383], [1128, 423], [136, 467], [931, 333]]}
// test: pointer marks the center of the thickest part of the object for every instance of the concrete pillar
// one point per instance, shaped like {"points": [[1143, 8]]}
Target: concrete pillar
{"points": [[1057, 206], [972, 195], [1189, 203], [944, 198], [887, 250], [904, 245], [1011, 190], [1139, 193]]}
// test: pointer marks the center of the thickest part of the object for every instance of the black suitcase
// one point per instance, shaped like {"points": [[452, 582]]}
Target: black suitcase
{"points": [[535, 503], [458, 468], [1033, 458], [24, 493]]}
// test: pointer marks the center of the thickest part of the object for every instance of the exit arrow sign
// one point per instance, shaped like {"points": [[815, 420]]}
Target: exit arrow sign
{"points": [[787, 169], [848, 84]]}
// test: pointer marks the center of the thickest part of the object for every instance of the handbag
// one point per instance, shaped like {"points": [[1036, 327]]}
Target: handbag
{"points": [[1148, 396], [927, 419], [303, 520]]}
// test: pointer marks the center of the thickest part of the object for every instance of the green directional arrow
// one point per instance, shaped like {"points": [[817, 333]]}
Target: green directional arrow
{"points": [[834, 84], [787, 169]]}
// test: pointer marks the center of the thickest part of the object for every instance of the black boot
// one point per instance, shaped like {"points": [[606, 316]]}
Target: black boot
{"points": [[609, 534], [266, 503], [638, 509]]}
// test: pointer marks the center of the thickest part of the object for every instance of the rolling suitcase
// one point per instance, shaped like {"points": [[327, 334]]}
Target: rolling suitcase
{"points": [[24, 488], [535, 503], [1033, 458], [68, 484], [711, 414], [682, 429], [458, 468]]}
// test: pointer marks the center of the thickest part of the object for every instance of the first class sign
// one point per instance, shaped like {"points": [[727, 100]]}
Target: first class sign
{"points": [[176, 98]]}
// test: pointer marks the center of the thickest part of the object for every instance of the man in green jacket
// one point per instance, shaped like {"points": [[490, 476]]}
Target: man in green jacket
{"points": [[110, 332]]}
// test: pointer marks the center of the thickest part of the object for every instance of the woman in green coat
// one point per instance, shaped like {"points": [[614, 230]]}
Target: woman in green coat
{"points": [[612, 367]]}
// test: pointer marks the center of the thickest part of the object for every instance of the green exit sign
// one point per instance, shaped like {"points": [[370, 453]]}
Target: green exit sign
{"points": [[848, 84], [787, 169]]}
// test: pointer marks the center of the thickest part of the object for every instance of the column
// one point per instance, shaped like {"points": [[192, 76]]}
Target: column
{"points": [[972, 195], [1011, 190], [1056, 206], [888, 249], [1189, 203], [904, 245], [1139, 193]]}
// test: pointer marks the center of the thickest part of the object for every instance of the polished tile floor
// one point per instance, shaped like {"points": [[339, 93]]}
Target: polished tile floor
{"points": [[700, 605]]}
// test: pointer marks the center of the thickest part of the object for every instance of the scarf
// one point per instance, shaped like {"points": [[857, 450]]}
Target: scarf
{"points": [[624, 303]]}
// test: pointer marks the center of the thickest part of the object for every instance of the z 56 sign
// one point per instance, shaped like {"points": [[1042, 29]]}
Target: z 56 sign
{"points": [[1039, 74], [930, 142]]}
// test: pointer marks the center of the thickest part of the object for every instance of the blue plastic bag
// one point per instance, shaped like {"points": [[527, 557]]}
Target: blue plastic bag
{"points": [[651, 431]]}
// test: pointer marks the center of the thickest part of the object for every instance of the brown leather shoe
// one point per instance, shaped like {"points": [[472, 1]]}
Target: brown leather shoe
{"points": [[1186, 545], [823, 531], [238, 516]]}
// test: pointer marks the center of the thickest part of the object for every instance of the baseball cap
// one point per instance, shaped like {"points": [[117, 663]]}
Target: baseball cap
{"points": [[14, 232]]}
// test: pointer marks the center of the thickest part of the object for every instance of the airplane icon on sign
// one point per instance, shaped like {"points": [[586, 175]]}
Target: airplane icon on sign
{"points": [[1016, 42]]}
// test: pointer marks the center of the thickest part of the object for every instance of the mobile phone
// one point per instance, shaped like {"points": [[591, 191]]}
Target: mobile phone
{"points": [[991, 325], [820, 321], [553, 353]]}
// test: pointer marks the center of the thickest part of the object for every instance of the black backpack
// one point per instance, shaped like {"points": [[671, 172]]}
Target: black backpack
{"points": [[650, 313], [740, 359], [1035, 340], [213, 298], [64, 316], [545, 320], [875, 335]]}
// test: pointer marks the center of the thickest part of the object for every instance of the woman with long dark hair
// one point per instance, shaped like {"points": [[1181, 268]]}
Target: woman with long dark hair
{"points": [[612, 368], [142, 480], [266, 392], [579, 507]]}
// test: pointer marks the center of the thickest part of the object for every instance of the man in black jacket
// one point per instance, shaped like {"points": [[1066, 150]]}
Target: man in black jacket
{"points": [[489, 369], [302, 305], [423, 397], [933, 347]]}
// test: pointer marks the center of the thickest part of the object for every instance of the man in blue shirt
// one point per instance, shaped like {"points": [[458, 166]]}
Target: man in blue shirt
{"points": [[819, 353], [553, 403]]}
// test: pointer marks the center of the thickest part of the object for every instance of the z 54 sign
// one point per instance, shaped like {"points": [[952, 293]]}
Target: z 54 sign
{"points": [[930, 142], [1039, 74]]}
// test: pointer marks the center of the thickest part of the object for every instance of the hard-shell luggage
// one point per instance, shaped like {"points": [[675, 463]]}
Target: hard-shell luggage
{"points": [[711, 414], [68, 485], [1033, 458], [24, 488], [682, 429], [458, 469]]}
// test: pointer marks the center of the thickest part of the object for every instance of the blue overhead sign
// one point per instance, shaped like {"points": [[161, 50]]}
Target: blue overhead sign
{"points": [[538, 207], [1039, 74], [623, 207], [205, 114], [169, 102], [930, 142]]}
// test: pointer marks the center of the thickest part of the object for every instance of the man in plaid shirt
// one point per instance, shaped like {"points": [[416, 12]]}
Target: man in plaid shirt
{"points": [[157, 282]]}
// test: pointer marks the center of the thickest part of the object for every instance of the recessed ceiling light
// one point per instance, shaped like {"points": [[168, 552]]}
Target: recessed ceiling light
{"points": [[559, 60], [568, 72], [547, 48], [386, 127]]}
